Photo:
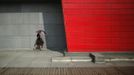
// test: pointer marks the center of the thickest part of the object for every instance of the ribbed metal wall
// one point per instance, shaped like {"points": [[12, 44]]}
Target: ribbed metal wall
{"points": [[99, 25]]}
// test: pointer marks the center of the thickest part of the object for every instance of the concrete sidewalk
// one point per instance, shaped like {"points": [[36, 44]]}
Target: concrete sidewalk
{"points": [[30, 58]]}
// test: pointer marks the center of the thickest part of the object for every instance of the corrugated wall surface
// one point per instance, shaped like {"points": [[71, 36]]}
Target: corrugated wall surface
{"points": [[99, 25]]}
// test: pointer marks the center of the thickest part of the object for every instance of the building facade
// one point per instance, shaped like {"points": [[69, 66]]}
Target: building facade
{"points": [[90, 25], [99, 25]]}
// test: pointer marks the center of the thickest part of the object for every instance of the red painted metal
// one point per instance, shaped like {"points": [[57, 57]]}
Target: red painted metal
{"points": [[99, 25]]}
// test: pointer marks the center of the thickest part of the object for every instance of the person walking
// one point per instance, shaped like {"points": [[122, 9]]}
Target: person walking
{"points": [[39, 41]]}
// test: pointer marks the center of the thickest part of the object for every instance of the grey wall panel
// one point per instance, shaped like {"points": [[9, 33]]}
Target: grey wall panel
{"points": [[16, 30], [52, 21], [10, 7]]}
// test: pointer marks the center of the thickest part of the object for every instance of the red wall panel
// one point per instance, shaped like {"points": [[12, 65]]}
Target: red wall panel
{"points": [[99, 25]]}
